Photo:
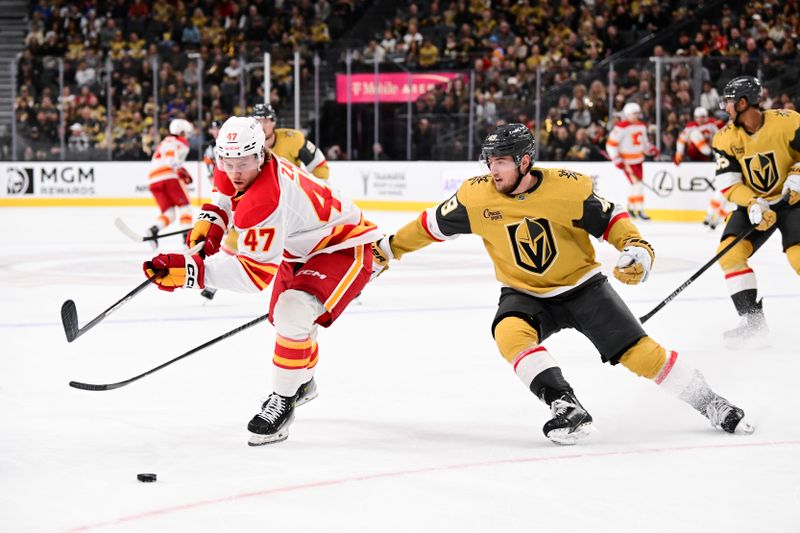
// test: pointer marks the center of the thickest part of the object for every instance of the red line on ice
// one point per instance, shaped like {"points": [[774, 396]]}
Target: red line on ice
{"points": [[399, 473]]}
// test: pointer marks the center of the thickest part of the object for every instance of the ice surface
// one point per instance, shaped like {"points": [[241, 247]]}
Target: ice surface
{"points": [[420, 424]]}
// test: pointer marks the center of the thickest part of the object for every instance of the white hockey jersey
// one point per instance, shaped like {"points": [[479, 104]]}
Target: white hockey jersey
{"points": [[169, 156], [628, 143], [695, 140], [285, 215]]}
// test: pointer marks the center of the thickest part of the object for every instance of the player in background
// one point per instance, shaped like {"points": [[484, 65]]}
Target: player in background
{"points": [[168, 178], [758, 164], [311, 243], [537, 235], [289, 144], [695, 142], [209, 159], [627, 145]]}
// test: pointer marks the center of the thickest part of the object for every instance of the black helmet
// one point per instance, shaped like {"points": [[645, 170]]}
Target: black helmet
{"points": [[742, 87], [515, 140], [264, 111]]}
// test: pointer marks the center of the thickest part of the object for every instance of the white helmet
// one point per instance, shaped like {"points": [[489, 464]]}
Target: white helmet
{"points": [[700, 112], [240, 137], [180, 127], [631, 109]]}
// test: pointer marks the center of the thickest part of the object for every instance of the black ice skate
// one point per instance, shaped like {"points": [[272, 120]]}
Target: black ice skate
{"points": [[272, 423], [642, 215], [306, 392], [727, 417], [751, 332], [711, 221], [570, 422]]}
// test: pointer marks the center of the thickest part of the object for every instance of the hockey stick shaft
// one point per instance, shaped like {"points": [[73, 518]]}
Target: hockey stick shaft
{"points": [[111, 386], [743, 235], [69, 312], [131, 234], [168, 234]]}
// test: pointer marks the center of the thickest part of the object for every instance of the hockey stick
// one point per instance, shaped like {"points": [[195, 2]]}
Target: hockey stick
{"points": [[110, 386], [132, 235], [743, 235], [69, 313]]}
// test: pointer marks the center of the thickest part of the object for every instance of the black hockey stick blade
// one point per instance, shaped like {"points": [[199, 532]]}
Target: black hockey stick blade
{"points": [[69, 318], [69, 314], [112, 386]]}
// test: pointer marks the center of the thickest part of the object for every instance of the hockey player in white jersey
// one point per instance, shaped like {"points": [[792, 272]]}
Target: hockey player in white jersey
{"points": [[295, 232], [168, 178], [626, 146], [694, 144]]}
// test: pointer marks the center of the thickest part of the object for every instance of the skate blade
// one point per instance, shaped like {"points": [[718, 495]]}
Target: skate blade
{"points": [[261, 440], [744, 428], [305, 399], [567, 438]]}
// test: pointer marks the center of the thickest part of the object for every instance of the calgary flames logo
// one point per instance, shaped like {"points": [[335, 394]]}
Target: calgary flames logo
{"points": [[533, 244], [762, 171]]}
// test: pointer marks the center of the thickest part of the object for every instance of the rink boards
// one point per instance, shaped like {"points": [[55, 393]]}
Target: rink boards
{"points": [[672, 193]]}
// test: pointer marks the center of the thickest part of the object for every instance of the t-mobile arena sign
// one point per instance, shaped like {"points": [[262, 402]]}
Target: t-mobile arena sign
{"points": [[394, 87]]}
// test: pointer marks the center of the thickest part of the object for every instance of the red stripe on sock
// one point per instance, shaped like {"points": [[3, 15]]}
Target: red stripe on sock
{"points": [[738, 273], [673, 356], [526, 353]]}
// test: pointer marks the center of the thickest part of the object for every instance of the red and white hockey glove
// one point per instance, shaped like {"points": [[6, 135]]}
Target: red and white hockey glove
{"points": [[381, 255], [184, 175], [635, 262], [209, 228], [174, 271], [677, 159]]}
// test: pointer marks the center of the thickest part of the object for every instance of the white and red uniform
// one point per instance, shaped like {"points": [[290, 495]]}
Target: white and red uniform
{"points": [[165, 184], [295, 228], [627, 146], [694, 142]]}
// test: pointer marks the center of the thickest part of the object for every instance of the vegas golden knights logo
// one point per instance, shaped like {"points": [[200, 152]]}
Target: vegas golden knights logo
{"points": [[533, 244], [762, 171]]}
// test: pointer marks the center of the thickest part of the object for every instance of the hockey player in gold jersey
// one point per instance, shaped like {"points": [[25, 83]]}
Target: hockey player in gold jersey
{"points": [[535, 224], [758, 164], [289, 144]]}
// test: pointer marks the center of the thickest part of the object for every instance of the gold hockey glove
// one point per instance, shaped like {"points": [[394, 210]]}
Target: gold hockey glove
{"points": [[635, 262]]}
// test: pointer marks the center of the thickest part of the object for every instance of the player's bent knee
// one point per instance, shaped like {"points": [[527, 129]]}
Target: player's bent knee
{"points": [[646, 358], [295, 313], [512, 335], [736, 258], [793, 254]]}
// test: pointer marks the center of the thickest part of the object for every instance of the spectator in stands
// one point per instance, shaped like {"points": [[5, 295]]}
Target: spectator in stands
{"points": [[428, 54], [373, 52], [423, 140], [79, 144]]}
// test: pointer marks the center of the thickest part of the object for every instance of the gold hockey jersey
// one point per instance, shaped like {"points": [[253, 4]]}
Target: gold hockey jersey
{"points": [[293, 146], [538, 240], [756, 166]]}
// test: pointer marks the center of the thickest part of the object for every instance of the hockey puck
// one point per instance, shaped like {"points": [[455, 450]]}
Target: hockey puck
{"points": [[146, 478]]}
